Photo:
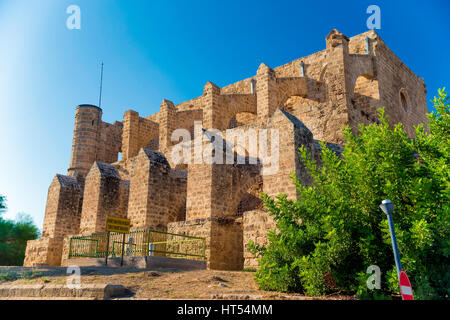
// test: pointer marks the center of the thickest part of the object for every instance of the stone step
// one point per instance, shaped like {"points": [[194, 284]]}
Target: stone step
{"points": [[60, 291], [144, 262]]}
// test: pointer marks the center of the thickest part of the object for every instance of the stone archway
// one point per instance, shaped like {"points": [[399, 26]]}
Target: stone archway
{"points": [[246, 196], [365, 99], [178, 213], [241, 118], [251, 199]]}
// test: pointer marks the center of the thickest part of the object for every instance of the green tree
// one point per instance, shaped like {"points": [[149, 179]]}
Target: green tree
{"points": [[2, 203], [14, 236], [326, 240]]}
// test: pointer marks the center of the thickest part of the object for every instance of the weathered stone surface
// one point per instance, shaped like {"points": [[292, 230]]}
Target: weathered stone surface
{"points": [[157, 193], [256, 225], [43, 252], [102, 198], [62, 216]]}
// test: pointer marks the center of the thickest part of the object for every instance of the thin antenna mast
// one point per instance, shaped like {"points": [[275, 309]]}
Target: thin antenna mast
{"points": [[101, 85]]}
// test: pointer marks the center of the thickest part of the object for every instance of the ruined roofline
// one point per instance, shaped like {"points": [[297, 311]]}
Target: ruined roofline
{"points": [[376, 35], [285, 70], [400, 61], [191, 103], [370, 33]]}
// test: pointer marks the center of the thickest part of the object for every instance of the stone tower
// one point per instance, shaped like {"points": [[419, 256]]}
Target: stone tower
{"points": [[85, 140]]}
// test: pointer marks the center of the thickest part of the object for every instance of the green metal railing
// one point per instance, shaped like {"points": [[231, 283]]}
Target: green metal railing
{"points": [[138, 243]]}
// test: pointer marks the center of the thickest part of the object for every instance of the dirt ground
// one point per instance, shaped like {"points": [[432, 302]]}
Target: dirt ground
{"points": [[158, 283]]}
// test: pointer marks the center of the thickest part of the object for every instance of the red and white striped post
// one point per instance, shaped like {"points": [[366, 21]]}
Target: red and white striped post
{"points": [[405, 286]]}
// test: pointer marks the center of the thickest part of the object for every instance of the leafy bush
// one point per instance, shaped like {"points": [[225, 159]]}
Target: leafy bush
{"points": [[326, 240], [14, 236]]}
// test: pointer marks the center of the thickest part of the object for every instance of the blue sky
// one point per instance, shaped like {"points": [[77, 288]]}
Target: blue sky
{"points": [[160, 49]]}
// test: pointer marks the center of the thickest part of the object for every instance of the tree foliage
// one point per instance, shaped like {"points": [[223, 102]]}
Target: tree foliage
{"points": [[326, 240], [14, 236]]}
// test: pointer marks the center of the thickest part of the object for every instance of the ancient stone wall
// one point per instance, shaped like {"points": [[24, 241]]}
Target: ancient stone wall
{"points": [[43, 252], [62, 217], [109, 142], [216, 190], [102, 198], [137, 133], [226, 244], [256, 225], [195, 228], [62, 213], [124, 195], [292, 135], [224, 241], [157, 193], [170, 119], [395, 79]]}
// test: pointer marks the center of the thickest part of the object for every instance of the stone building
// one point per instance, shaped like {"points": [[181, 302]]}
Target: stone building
{"points": [[306, 101]]}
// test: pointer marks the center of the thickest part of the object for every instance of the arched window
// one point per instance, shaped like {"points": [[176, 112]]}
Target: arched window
{"points": [[366, 97], [241, 118], [404, 101]]}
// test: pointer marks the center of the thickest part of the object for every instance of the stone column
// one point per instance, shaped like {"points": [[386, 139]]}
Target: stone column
{"points": [[211, 109], [130, 134], [265, 93], [149, 204], [167, 123], [292, 134], [339, 82]]}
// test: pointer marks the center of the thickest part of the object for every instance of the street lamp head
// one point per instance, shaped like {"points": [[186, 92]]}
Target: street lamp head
{"points": [[387, 206]]}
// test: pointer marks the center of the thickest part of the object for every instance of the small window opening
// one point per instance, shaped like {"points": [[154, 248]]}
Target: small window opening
{"points": [[404, 101]]}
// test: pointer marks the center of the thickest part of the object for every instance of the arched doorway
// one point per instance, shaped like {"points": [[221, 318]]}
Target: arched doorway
{"points": [[241, 118], [365, 100]]}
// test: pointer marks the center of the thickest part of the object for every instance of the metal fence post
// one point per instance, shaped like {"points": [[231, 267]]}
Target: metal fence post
{"points": [[107, 249], [123, 248]]}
